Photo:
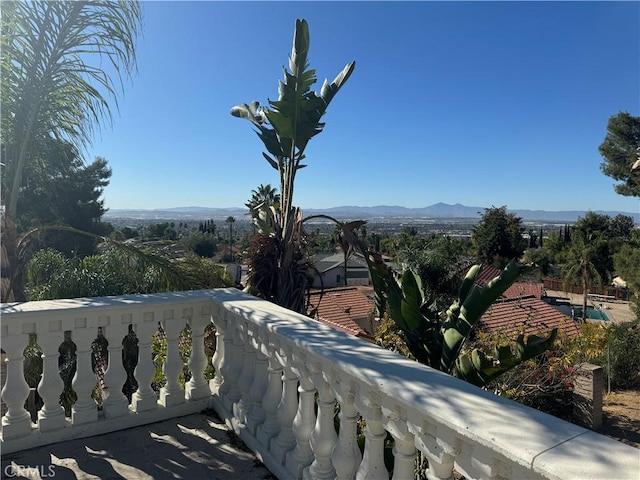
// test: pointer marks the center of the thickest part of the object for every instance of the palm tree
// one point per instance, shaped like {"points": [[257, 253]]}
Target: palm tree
{"points": [[230, 220], [264, 196], [52, 88], [580, 265], [262, 200]]}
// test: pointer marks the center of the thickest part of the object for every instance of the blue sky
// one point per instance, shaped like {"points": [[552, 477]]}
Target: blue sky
{"points": [[479, 103]]}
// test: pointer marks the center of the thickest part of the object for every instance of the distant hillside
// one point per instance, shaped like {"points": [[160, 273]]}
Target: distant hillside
{"points": [[437, 210]]}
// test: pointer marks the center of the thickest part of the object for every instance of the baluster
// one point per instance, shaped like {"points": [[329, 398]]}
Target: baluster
{"points": [[304, 421], [466, 463], [439, 446], [287, 410], [479, 461], [346, 455], [234, 354], [242, 409], [145, 398], [17, 421], [270, 427], [197, 387], [372, 466], [323, 438], [84, 381], [259, 385], [172, 393], [404, 450], [51, 415], [218, 386], [116, 403]]}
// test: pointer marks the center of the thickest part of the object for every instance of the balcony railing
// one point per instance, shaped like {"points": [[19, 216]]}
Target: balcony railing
{"points": [[280, 380]]}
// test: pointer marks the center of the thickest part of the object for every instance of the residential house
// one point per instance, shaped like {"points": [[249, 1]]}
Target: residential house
{"points": [[330, 270]]}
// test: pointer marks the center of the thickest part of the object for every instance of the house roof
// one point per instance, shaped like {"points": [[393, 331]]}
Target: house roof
{"points": [[523, 289], [328, 261], [521, 309], [528, 315], [516, 290], [487, 274], [341, 307]]}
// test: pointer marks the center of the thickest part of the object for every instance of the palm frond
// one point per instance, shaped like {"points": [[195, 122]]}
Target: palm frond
{"points": [[58, 87], [172, 276]]}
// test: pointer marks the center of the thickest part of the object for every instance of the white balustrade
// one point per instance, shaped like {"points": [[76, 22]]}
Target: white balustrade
{"points": [[259, 385], [269, 363], [323, 438], [270, 427], [198, 387], [287, 410], [85, 409], [116, 403], [145, 398], [438, 444], [216, 385], [172, 393], [304, 421], [404, 450], [51, 415], [17, 421], [82, 318], [372, 466], [231, 367], [242, 408], [346, 455]]}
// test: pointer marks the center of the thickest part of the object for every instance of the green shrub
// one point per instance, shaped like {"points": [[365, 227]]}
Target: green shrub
{"points": [[624, 355]]}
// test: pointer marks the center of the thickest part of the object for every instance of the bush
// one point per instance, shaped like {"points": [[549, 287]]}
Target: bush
{"points": [[202, 244], [624, 355], [388, 335], [544, 383]]}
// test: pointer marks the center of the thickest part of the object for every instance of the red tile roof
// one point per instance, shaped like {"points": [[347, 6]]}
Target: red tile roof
{"points": [[343, 308], [522, 289], [528, 315], [517, 290], [487, 274]]}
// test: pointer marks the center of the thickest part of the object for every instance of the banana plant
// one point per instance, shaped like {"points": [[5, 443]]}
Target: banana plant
{"points": [[439, 343], [285, 127]]}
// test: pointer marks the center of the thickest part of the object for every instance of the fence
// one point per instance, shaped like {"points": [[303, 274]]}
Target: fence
{"points": [[552, 283]]}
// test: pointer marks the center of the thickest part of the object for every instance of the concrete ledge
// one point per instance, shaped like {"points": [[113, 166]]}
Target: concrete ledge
{"points": [[589, 456]]}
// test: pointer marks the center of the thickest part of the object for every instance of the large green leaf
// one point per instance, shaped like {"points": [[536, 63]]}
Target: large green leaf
{"points": [[476, 302], [478, 368], [295, 117], [411, 301]]}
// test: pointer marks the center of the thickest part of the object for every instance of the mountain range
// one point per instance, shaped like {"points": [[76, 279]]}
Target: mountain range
{"points": [[379, 212]]}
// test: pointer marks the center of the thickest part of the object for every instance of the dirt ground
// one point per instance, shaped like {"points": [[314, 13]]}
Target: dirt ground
{"points": [[621, 416]]}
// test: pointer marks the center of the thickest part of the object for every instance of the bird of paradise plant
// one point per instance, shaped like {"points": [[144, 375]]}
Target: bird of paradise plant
{"points": [[285, 127]]}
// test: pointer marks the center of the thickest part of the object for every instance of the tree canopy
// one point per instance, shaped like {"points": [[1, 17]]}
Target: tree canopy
{"points": [[497, 238], [620, 150], [64, 191], [54, 86]]}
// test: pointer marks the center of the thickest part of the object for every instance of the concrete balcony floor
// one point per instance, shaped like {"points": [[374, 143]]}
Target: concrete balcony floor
{"points": [[193, 447]]}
